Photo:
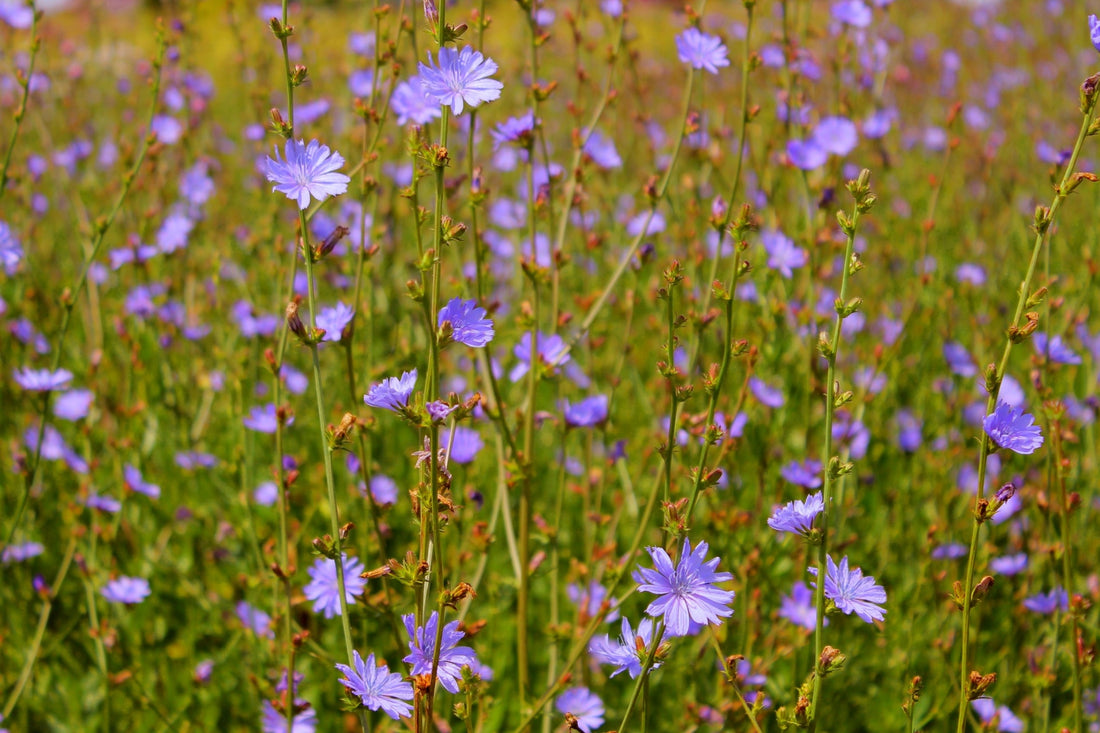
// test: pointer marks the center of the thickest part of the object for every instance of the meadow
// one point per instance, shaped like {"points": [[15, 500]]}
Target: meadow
{"points": [[522, 365]]}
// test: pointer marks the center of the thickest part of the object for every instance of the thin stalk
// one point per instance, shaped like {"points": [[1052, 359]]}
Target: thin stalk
{"points": [[23, 79]]}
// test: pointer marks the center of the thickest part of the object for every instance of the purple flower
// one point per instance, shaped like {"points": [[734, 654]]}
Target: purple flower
{"points": [[42, 380], [798, 607], [588, 413], [383, 489], [687, 593], [308, 171], [168, 129], [1009, 564], [518, 130], [623, 653], [602, 151], [989, 713], [411, 104], [806, 155], [589, 600], [10, 249], [797, 517], [1047, 603], [323, 588], [806, 474], [334, 320], [769, 396], [127, 590], [452, 658], [853, 13], [552, 350], [266, 494], [583, 704], [132, 477], [392, 393], [377, 687], [465, 446], [190, 460], [21, 551], [1013, 429], [255, 620], [909, 428], [836, 135], [265, 419], [1094, 31], [107, 504], [853, 593], [958, 358], [1054, 349], [196, 185], [701, 51], [783, 255], [462, 77], [950, 551], [274, 721], [73, 405], [470, 323]]}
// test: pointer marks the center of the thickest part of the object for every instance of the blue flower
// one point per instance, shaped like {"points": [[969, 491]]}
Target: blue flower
{"points": [[783, 255], [377, 687], [308, 171], [552, 350], [584, 705], [42, 380], [255, 620], [836, 135], [274, 721], [1047, 603], [1009, 564], [623, 652], [853, 593], [798, 607], [687, 591], [334, 320], [989, 712], [806, 155], [265, 419], [589, 600], [588, 413], [134, 480], [451, 657], [411, 104], [701, 51], [470, 324], [73, 405], [1054, 348], [10, 250], [518, 130], [1094, 31], [806, 474], [323, 588], [127, 590], [461, 78], [853, 13], [392, 393], [1013, 429], [797, 517]]}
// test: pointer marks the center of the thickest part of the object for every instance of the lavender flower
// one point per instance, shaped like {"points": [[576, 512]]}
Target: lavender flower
{"points": [[42, 380], [589, 599], [806, 474], [255, 620], [853, 13], [518, 130], [1013, 429], [10, 249], [584, 705], [798, 607], [552, 350], [452, 658], [470, 324], [334, 320], [1047, 603], [989, 713], [686, 592], [133, 478], [806, 155], [411, 104], [465, 446], [1009, 564], [265, 419], [377, 687], [323, 588], [797, 517], [21, 551], [768, 395], [308, 171], [392, 393], [461, 78], [623, 653], [701, 51], [853, 593], [124, 589], [1094, 31], [588, 413], [73, 405], [274, 721], [1054, 348], [836, 135], [783, 255]]}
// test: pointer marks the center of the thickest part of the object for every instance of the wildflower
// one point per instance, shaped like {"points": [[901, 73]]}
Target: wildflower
{"points": [[806, 474], [1047, 603], [107, 504], [950, 551], [853, 13], [411, 104], [687, 592], [589, 600], [462, 78], [624, 653], [383, 489], [769, 396], [584, 705], [334, 320], [806, 155], [323, 588], [1009, 564], [1094, 31], [377, 687], [552, 350], [588, 413], [959, 359], [1054, 349], [602, 151], [42, 380], [266, 494], [274, 721], [392, 393], [265, 419], [853, 593], [836, 135], [73, 405], [308, 171], [989, 713], [20, 552], [127, 590], [10, 249], [451, 657], [1013, 429], [255, 620], [470, 324], [701, 51], [519, 130], [133, 478], [438, 410], [465, 445], [783, 255], [797, 517], [798, 607]]}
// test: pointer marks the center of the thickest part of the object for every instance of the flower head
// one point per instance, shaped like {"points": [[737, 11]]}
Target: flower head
{"points": [[584, 705], [392, 393], [42, 380], [798, 607], [701, 51], [1094, 31], [853, 593], [451, 656], [687, 591], [323, 588], [265, 419], [127, 590], [136, 482], [588, 413], [552, 350], [411, 104], [518, 130], [10, 250], [623, 652], [461, 78], [377, 687], [1013, 429], [1047, 603], [797, 517], [255, 620], [470, 324], [783, 255], [308, 171], [334, 320]]}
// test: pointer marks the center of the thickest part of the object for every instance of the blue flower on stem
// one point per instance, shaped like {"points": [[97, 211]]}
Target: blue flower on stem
{"points": [[701, 50], [624, 652], [797, 517], [687, 591], [452, 658], [42, 380], [584, 705], [853, 593], [392, 393], [377, 687], [323, 588], [470, 324], [1013, 429], [126, 590], [308, 171], [461, 78]]}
